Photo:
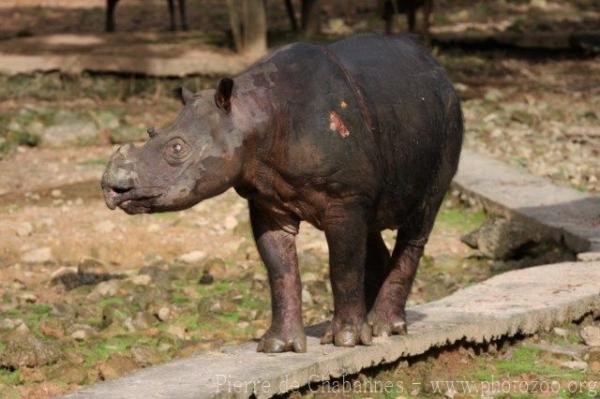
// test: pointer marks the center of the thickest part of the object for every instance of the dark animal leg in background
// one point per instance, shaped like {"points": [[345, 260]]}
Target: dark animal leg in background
{"points": [[377, 266], [388, 314], [171, 5], [110, 15], [289, 6], [183, 15], [277, 249], [346, 232], [427, 16], [388, 10], [411, 15]]}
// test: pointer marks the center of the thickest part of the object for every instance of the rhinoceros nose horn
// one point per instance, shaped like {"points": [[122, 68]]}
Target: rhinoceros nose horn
{"points": [[124, 150]]}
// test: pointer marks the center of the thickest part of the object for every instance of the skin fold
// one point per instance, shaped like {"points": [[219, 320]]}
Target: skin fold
{"points": [[354, 137]]}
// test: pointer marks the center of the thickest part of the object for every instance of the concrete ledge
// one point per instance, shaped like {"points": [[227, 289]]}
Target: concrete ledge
{"points": [[588, 41], [523, 301], [573, 217]]}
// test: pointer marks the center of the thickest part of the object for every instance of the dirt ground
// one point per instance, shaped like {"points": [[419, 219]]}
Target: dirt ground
{"points": [[87, 294], [37, 17]]}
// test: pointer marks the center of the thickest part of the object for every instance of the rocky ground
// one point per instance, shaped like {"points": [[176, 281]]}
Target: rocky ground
{"points": [[562, 363], [87, 294]]}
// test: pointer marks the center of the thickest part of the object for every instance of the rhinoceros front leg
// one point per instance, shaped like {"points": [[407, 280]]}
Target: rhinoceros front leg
{"points": [[277, 249], [346, 232]]}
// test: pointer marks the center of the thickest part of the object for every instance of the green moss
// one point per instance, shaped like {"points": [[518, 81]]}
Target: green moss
{"points": [[462, 220], [101, 350], [232, 317], [41, 309], [525, 360], [220, 287], [190, 322], [9, 377], [179, 298], [115, 300], [94, 162]]}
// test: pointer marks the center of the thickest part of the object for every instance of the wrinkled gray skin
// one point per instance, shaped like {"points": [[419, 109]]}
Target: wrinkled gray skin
{"points": [[354, 137], [196, 157]]}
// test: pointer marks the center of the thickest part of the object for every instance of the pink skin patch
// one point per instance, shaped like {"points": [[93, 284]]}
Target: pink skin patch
{"points": [[336, 124]]}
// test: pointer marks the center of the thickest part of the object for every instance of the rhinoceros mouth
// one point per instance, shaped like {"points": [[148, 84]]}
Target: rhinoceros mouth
{"points": [[131, 200]]}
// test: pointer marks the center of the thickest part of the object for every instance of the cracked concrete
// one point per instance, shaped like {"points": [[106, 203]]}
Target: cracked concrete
{"points": [[572, 217], [523, 301]]}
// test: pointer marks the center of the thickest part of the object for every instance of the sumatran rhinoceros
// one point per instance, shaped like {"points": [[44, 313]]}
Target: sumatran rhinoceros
{"points": [[354, 137]]}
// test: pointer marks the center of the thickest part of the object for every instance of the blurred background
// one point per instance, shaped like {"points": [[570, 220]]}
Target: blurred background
{"points": [[87, 294]]}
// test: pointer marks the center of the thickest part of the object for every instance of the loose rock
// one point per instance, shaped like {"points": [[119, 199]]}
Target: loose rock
{"points": [[141, 279], [591, 335], [163, 313], [25, 350], [192, 257], [116, 366], [24, 229], [501, 239], [80, 335], [39, 255], [575, 365]]}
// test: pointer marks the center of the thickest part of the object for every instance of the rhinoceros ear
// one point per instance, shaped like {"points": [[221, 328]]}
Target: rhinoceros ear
{"points": [[223, 94], [183, 94]]}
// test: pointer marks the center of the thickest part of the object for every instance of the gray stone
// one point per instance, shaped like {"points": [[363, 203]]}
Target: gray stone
{"points": [[39, 255], [501, 239], [575, 351], [575, 365], [591, 335], [24, 229], [192, 257], [523, 301], [23, 349], [561, 332], [588, 256], [71, 129]]}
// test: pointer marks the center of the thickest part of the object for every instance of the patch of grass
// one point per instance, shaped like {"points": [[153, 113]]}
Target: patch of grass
{"points": [[525, 360], [179, 298], [462, 220], [115, 300], [101, 350], [94, 162], [40, 309], [232, 317], [220, 287], [10, 377], [190, 322]]}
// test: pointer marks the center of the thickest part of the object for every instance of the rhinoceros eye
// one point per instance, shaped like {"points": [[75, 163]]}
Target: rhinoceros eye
{"points": [[176, 151]]}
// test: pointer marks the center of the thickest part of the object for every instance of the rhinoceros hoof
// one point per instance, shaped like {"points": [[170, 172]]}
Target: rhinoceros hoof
{"points": [[276, 342], [347, 334], [386, 325]]}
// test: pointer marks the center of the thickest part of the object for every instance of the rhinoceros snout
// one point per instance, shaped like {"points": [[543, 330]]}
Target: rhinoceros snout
{"points": [[119, 176]]}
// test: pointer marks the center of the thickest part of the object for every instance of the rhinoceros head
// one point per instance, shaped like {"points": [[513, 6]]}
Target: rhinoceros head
{"points": [[197, 157]]}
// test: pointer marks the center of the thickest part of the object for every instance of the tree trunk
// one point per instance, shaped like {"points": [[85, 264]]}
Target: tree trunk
{"points": [[248, 20], [255, 32], [311, 17]]}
